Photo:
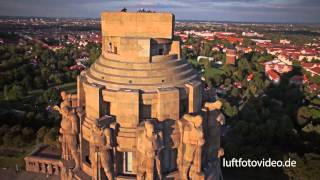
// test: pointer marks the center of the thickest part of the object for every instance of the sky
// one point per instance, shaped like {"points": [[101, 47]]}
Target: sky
{"points": [[299, 11]]}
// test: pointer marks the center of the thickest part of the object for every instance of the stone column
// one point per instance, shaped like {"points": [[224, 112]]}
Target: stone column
{"points": [[36, 167], [56, 170], [43, 168], [194, 96]]}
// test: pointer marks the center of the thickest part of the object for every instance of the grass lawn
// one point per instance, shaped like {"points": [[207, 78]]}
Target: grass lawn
{"points": [[9, 160]]}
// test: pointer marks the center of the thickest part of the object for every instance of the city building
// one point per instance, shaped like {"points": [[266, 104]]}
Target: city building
{"points": [[231, 55], [140, 111], [273, 76]]}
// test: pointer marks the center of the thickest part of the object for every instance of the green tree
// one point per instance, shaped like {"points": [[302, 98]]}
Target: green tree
{"points": [[228, 109], [41, 133], [15, 92], [51, 96], [27, 134], [51, 137], [303, 115]]}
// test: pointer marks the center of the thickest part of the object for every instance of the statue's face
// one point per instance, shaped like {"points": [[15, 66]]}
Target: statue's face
{"points": [[149, 128], [63, 95]]}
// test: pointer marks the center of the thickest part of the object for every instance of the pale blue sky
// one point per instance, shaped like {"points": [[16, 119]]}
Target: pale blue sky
{"points": [[216, 10]]}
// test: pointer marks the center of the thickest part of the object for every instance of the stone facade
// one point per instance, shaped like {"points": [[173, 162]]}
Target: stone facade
{"points": [[141, 108]]}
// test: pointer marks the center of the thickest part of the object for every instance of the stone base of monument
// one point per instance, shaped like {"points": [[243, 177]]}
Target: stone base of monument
{"points": [[198, 176]]}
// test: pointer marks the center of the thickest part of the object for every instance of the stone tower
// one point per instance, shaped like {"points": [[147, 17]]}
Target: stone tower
{"points": [[144, 112], [139, 76]]}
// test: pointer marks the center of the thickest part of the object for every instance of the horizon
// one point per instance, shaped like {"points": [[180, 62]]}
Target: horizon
{"points": [[177, 20], [258, 11]]}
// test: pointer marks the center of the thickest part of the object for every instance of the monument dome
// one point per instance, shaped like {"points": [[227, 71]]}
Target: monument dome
{"points": [[142, 55]]}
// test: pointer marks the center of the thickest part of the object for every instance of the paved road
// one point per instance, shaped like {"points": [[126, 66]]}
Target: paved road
{"points": [[10, 174]]}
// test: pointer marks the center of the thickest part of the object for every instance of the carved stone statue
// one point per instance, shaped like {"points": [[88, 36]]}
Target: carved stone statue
{"points": [[149, 147], [213, 150], [66, 99], [191, 142], [213, 170], [66, 174], [69, 135], [213, 105], [215, 120], [101, 151]]}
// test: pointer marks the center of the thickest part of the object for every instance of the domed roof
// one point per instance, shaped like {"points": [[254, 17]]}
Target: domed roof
{"points": [[165, 72], [138, 52]]}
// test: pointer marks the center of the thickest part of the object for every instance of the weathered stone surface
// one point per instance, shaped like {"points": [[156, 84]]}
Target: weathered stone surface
{"points": [[149, 147], [147, 25], [69, 129], [138, 112], [190, 149], [101, 151]]}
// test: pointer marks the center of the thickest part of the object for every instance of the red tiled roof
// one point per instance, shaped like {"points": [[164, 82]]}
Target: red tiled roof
{"points": [[309, 65], [316, 70], [250, 77], [273, 75], [305, 78]]}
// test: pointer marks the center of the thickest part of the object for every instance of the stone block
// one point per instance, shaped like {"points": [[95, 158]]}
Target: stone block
{"points": [[168, 103], [194, 96], [154, 25], [94, 100], [127, 111]]}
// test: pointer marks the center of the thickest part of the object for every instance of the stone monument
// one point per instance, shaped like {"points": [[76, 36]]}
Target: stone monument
{"points": [[140, 110]]}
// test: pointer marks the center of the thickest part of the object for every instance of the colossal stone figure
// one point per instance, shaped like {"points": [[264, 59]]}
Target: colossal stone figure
{"points": [[69, 138], [100, 151], [65, 106], [149, 147], [66, 99], [213, 169], [215, 119], [191, 142]]}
